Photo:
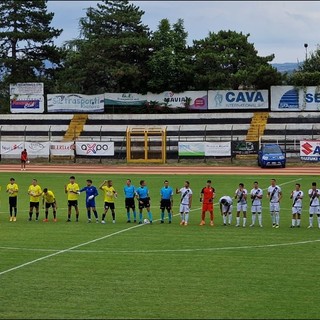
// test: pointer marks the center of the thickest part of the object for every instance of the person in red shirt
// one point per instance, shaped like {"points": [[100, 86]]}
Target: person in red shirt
{"points": [[24, 159], [206, 197]]}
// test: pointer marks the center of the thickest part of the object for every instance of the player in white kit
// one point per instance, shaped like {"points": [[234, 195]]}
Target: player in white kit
{"points": [[226, 209], [256, 206], [296, 196], [241, 196], [185, 202], [314, 207], [274, 195]]}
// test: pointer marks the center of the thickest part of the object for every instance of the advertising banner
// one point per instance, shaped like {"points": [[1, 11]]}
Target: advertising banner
{"points": [[37, 149], [245, 147], [310, 150], [217, 149], [125, 99], [191, 149], [62, 148], [12, 148], [27, 88], [289, 98], [26, 103], [195, 100], [92, 148], [76, 103], [238, 99]]}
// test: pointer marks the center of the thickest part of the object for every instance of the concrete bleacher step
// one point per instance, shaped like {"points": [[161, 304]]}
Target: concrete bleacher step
{"points": [[75, 127], [257, 126]]}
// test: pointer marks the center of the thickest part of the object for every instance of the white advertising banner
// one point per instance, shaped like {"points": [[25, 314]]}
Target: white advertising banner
{"points": [[125, 99], [218, 149], [310, 150], [289, 98], [27, 88], [37, 149], [196, 100], [191, 149], [62, 148], [238, 99], [26, 103], [77, 103], [12, 148], [95, 148]]}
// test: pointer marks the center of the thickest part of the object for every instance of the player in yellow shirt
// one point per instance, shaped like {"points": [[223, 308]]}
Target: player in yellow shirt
{"points": [[72, 189], [49, 200], [35, 193], [12, 189], [109, 195]]}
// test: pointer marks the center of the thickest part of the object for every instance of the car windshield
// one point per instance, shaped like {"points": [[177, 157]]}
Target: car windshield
{"points": [[272, 149]]}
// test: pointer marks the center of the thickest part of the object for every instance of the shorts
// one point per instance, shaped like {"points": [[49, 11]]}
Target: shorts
{"points": [[165, 204], [23, 161], [274, 206], [296, 210], [48, 205], [184, 208], [13, 201], [145, 203], [72, 203], [207, 207], [256, 208], [90, 203], [34, 205], [314, 210], [227, 209], [129, 203], [109, 205], [242, 207]]}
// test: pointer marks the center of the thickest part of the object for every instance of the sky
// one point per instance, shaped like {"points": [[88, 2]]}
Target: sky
{"points": [[275, 27]]}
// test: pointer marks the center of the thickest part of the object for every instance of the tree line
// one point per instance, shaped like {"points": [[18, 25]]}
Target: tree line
{"points": [[116, 52]]}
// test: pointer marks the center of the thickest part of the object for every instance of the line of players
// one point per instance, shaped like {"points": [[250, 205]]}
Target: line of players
{"points": [[207, 195]]}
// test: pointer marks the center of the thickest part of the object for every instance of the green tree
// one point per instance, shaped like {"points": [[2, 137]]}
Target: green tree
{"points": [[111, 52], [170, 63], [226, 60], [27, 51]]}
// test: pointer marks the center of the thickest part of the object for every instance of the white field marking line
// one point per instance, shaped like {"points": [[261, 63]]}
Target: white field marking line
{"points": [[77, 246]]}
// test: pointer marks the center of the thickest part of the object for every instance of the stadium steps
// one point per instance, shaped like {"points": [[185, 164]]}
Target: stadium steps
{"points": [[257, 126], [76, 126]]}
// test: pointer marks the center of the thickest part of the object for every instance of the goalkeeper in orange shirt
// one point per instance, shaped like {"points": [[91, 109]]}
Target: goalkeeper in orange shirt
{"points": [[206, 197]]}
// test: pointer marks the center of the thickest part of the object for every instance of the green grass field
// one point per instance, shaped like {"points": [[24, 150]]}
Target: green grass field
{"points": [[117, 271]]}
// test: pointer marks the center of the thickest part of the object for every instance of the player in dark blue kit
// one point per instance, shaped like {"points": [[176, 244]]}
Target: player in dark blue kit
{"points": [[91, 193], [166, 194], [129, 193], [142, 194]]}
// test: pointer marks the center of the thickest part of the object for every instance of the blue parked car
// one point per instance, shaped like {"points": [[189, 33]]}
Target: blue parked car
{"points": [[271, 154]]}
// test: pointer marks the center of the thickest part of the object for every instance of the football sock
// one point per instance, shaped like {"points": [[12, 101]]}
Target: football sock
{"points": [[103, 216], [244, 221], [162, 215], [95, 214], [113, 215], [230, 218], [260, 218], [224, 219], [253, 218], [134, 215], [186, 217], [140, 216], [298, 222], [277, 218], [10, 211], [203, 215], [319, 221], [46, 213], [15, 211], [181, 215], [54, 214], [273, 217], [69, 216], [128, 215], [89, 214], [311, 220], [37, 215], [211, 216], [77, 216], [170, 216], [293, 222], [150, 215], [238, 220], [30, 215]]}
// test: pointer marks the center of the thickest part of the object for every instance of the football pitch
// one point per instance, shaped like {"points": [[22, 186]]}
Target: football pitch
{"points": [[159, 271]]}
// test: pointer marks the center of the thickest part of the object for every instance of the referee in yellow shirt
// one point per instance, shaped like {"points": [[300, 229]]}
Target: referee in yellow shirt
{"points": [[35, 193], [49, 200], [12, 189]]}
